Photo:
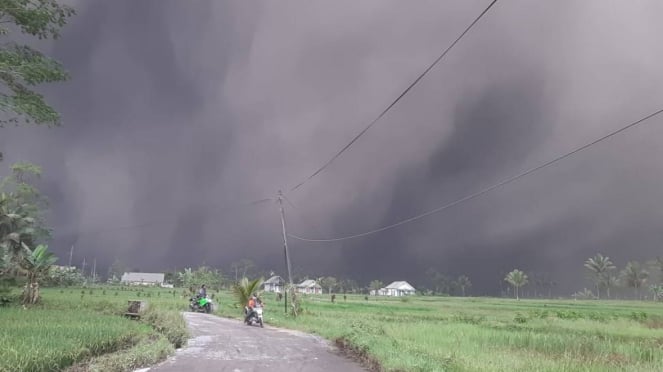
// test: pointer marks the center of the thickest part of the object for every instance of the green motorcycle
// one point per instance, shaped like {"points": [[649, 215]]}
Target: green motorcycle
{"points": [[201, 304]]}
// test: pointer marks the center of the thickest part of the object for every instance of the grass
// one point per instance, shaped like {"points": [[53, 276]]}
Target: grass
{"points": [[80, 327], [480, 334]]}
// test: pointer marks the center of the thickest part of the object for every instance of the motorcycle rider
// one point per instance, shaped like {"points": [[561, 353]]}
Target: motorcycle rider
{"points": [[253, 301], [202, 292]]}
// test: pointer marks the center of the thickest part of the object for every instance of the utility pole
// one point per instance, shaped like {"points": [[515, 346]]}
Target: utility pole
{"points": [[83, 269], [94, 270], [285, 245], [71, 255]]}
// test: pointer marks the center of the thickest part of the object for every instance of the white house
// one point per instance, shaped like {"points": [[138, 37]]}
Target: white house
{"points": [[274, 284], [143, 278], [309, 287], [401, 288]]}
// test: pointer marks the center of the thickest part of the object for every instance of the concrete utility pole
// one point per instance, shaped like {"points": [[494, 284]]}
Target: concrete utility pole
{"points": [[71, 255], [285, 245], [94, 270], [83, 269]]}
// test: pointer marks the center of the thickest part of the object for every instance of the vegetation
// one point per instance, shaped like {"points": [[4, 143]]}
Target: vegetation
{"points": [[193, 279], [517, 279], [472, 334], [23, 67], [243, 290], [75, 326], [600, 266], [634, 276]]}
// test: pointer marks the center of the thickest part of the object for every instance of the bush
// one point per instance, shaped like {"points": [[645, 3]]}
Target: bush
{"points": [[148, 352], [520, 318], [168, 323]]}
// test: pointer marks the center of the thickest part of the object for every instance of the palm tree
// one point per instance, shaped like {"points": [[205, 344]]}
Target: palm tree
{"points": [[245, 288], [600, 267], [463, 282], [35, 264], [517, 279], [610, 281], [634, 276]]}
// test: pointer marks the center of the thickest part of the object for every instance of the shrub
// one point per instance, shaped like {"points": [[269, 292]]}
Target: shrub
{"points": [[168, 323]]}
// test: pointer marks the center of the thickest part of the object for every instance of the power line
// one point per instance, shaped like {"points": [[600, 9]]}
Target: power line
{"points": [[485, 190], [301, 217], [165, 220], [325, 165]]}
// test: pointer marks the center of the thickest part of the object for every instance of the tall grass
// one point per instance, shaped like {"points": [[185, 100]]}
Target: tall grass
{"points": [[74, 324], [472, 334]]}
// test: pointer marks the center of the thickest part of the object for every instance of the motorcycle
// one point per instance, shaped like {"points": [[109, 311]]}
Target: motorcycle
{"points": [[201, 304], [256, 317]]}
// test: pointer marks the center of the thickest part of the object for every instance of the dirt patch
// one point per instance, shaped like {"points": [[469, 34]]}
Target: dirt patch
{"points": [[654, 323], [359, 355], [617, 359]]}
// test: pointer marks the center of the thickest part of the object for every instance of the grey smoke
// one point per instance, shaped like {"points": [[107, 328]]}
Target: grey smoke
{"points": [[177, 109]]}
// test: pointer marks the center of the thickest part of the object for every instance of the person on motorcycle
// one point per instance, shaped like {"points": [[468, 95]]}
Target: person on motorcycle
{"points": [[253, 301], [202, 292]]}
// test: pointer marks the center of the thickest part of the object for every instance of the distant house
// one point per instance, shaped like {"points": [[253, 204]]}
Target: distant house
{"points": [[401, 288], [274, 284], [143, 278], [309, 287]]}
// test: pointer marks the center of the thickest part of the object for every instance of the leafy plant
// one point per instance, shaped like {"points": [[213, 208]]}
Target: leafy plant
{"points": [[517, 279], [244, 289]]}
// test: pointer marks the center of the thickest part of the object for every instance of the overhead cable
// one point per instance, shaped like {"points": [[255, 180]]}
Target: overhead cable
{"points": [[485, 190], [393, 103]]}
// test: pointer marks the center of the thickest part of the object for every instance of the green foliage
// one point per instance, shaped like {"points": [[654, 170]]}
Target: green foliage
{"points": [[168, 323], [634, 276], [657, 291], [149, 351], [35, 264], [243, 290], [47, 340], [212, 278], [520, 318], [329, 283], [585, 294], [22, 67], [23, 200], [435, 333], [600, 267]]}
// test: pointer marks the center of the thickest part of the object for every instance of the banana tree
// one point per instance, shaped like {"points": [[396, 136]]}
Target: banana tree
{"points": [[35, 264]]}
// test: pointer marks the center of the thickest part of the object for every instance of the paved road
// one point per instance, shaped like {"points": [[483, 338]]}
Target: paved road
{"points": [[219, 344]]}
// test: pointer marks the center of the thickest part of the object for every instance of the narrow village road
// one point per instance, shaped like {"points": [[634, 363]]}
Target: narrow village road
{"points": [[219, 344]]}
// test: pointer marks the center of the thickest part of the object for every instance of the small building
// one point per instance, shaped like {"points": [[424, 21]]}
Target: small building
{"points": [[400, 288], [143, 278], [309, 287], [274, 284]]}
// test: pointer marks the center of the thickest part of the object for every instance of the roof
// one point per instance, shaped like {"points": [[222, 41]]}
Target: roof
{"points": [[308, 283], [274, 280], [401, 285], [143, 277]]}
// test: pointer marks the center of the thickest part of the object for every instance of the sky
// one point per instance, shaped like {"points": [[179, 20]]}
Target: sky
{"points": [[180, 113]]}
